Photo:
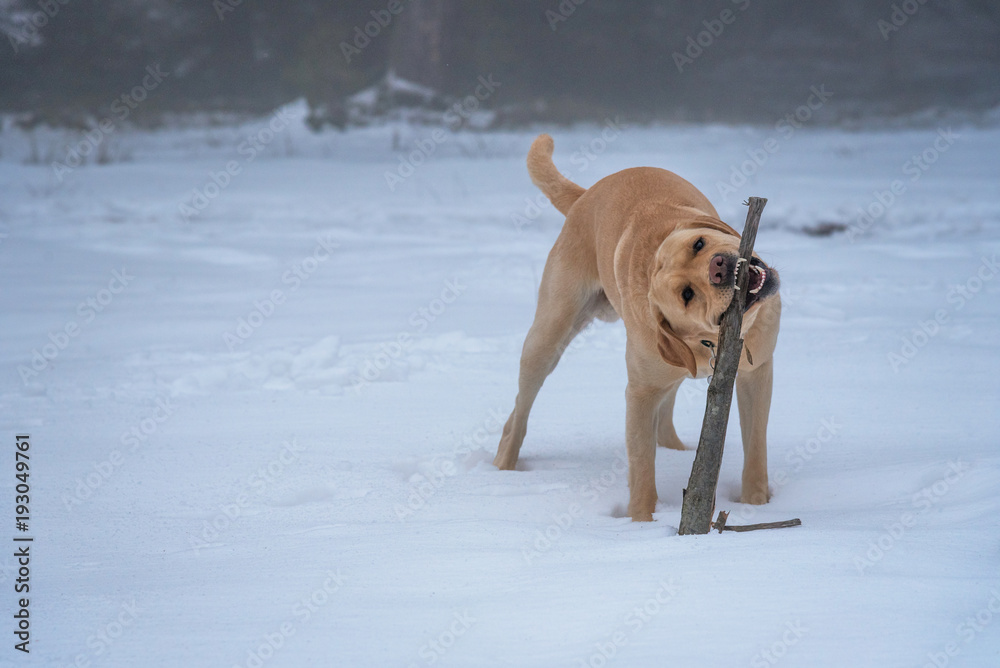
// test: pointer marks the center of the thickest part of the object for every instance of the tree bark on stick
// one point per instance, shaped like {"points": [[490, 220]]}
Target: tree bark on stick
{"points": [[699, 497]]}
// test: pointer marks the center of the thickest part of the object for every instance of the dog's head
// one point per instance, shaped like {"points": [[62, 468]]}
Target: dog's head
{"points": [[692, 283]]}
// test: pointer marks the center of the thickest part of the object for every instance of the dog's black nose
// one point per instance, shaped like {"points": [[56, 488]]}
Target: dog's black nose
{"points": [[720, 270]]}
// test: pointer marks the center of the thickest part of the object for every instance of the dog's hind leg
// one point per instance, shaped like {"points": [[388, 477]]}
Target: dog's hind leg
{"points": [[567, 302]]}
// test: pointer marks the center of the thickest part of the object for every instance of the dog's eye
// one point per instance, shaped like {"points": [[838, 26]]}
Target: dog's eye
{"points": [[698, 245], [688, 295]]}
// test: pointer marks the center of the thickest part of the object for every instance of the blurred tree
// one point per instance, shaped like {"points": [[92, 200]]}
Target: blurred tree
{"points": [[556, 59], [425, 42]]}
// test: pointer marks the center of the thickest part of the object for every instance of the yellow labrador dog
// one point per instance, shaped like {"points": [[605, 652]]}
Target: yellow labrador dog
{"points": [[646, 246]]}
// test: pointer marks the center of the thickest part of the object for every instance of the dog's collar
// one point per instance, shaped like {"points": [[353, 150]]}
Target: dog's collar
{"points": [[711, 346]]}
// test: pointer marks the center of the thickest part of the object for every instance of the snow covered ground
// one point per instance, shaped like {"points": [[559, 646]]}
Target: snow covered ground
{"points": [[263, 415]]}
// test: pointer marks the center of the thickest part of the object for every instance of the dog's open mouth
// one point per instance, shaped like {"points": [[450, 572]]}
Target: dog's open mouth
{"points": [[762, 282]]}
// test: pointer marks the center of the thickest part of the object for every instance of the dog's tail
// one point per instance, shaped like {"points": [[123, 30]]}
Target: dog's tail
{"points": [[561, 191]]}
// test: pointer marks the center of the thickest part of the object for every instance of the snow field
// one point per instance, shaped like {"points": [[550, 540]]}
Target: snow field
{"points": [[269, 440]]}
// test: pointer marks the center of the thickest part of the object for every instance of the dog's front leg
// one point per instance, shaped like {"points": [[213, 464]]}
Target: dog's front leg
{"points": [[753, 394], [641, 402], [666, 435]]}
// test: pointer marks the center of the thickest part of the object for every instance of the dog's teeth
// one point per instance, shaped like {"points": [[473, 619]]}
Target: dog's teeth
{"points": [[763, 278]]}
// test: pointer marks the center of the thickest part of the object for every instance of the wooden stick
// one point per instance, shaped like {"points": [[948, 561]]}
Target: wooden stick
{"points": [[699, 497], [766, 525], [720, 524]]}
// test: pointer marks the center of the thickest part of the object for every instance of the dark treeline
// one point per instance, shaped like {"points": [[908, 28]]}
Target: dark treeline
{"points": [[557, 60]]}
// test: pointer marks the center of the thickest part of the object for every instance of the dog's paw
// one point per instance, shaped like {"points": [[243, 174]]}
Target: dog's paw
{"points": [[755, 497], [641, 512], [505, 462], [672, 444]]}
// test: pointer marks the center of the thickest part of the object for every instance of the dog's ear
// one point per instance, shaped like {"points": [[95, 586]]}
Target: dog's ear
{"points": [[710, 223], [673, 350]]}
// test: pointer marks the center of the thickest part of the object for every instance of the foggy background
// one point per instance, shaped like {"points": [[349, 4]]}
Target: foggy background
{"points": [[67, 61]]}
